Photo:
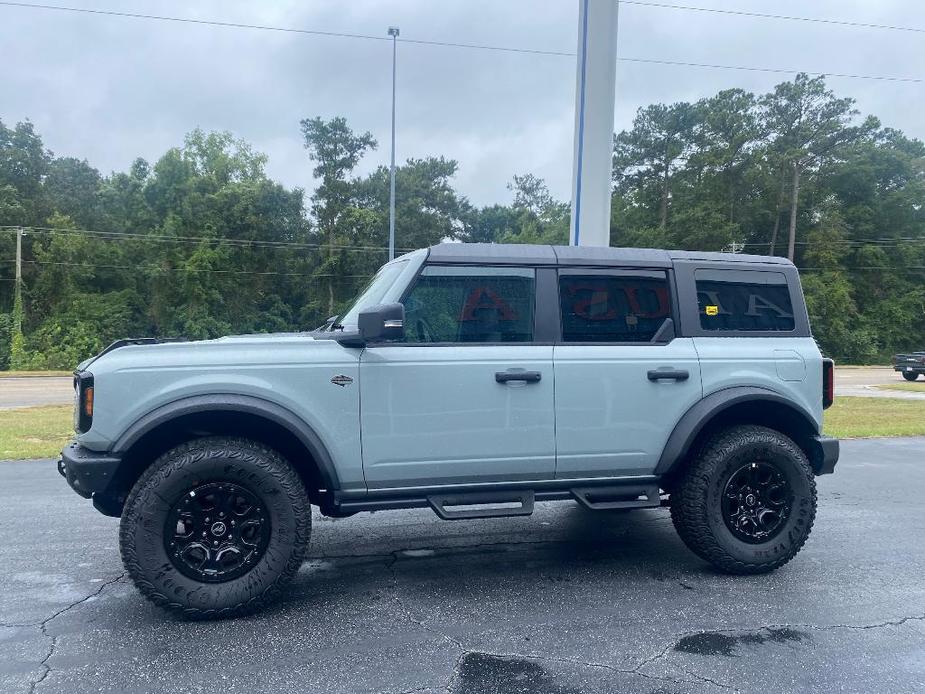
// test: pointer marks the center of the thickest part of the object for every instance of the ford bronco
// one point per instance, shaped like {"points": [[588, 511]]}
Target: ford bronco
{"points": [[475, 380]]}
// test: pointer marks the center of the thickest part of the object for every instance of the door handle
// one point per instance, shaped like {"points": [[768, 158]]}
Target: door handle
{"points": [[668, 375], [526, 376]]}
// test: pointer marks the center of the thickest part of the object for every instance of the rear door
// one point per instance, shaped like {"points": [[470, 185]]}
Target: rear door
{"points": [[468, 395], [623, 380]]}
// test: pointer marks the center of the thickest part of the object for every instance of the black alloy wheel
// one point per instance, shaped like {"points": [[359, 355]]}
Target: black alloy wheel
{"points": [[757, 501], [216, 532]]}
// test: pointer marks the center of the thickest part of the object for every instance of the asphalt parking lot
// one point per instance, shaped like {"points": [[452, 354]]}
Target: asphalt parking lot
{"points": [[563, 602]]}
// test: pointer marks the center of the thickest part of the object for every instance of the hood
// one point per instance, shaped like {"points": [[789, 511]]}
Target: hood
{"points": [[226, 349]]}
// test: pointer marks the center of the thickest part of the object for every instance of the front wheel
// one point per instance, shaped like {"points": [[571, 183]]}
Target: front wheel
{"points": [[910, 375], [215, 527], [747, 502]]}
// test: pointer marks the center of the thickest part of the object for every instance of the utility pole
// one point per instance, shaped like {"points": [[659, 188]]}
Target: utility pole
{"points": [[17, 300], [393, 32]]}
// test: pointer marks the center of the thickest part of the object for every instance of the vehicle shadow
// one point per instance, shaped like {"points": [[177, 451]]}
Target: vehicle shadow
{"points": [[483, 559]]}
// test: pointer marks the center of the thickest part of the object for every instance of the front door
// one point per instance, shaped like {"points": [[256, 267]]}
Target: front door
{"points": [[467, 396], [622, 380]]}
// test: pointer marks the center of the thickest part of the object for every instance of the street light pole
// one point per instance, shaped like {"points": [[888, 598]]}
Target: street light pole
{"points": [[393, 32]]}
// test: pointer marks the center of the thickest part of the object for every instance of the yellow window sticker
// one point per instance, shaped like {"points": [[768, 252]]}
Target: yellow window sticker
{"points": [[712, 310]]}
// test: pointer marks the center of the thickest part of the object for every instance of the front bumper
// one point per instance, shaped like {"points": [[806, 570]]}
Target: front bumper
{"points": [[824, 455], [88, 472]]}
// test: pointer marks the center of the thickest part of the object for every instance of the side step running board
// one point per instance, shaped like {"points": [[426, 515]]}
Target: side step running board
{"points": [[608, 498], [486, 504]]}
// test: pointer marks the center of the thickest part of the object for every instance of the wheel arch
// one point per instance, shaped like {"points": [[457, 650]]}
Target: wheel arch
{"points": [[738, 405], [222, 414]]}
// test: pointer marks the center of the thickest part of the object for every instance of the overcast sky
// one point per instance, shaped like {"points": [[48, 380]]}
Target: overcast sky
{"points": [[109, 89]]}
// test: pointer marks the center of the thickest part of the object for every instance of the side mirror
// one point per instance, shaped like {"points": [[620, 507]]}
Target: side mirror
{"points": [[382, 322]]}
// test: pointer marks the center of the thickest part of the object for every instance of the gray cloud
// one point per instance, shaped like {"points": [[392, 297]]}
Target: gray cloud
{"points": [[109, 89]]}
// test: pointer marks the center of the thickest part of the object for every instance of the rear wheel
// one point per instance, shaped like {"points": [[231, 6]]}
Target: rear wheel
{"points": [[910, 375], [215, 527], [747, 502]]}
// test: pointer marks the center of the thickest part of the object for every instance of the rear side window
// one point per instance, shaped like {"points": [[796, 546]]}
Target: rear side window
{"points": [[471, 304], [745, 300], [627, 306]]}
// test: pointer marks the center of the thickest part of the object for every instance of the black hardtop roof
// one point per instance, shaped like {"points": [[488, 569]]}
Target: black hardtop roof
{"points": [[527, 254]]}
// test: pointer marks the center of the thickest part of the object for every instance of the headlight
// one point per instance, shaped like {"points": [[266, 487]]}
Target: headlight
{"points": [[83, 401]]}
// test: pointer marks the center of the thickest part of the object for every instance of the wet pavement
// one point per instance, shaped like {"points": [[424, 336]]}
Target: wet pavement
{"points": [[564, 602]]}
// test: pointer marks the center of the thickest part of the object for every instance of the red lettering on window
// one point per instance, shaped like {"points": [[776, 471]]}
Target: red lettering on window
{"points": [[592, 300], [661, 293], [483, 298], [582, 307]]}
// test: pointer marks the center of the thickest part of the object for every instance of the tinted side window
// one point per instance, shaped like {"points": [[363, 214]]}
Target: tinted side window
{"points": [[469, 304], [743, 300], [619, 307]]}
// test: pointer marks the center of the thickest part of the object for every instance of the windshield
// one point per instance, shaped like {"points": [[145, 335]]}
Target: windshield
{"points": [[373, 292]]}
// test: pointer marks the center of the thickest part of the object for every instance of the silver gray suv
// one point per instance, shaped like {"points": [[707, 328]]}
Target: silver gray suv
{"points": [[475, 380]]}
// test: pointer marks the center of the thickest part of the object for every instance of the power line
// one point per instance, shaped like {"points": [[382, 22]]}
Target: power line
{"points": [[449, 44], [778, 70], [862, 268], [197, 240], [853, 243], [488, 47], [766, 15], [194, 240], [289, 30], [189, 20], [154, 268]]}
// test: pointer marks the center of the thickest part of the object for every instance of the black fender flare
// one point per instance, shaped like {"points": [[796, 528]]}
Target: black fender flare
{"points": [[701, 413], [235, 403]]}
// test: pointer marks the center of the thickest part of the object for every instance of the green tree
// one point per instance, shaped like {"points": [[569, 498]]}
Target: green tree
{"points": [[488, 224], [427, 207], [87, 324], [337, 151], [23, 166], [72, 188], [6, 334], [533, 217], [834, 314], [725, 135], [648, 156], [808, 126]]}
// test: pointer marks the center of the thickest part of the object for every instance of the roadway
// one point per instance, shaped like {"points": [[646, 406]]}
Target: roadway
{"points": [[32, 391]]}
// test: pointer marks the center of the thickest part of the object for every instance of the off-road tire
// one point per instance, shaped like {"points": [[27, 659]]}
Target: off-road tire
{"points": [[215, 459], [696, 501], [910, 376]]}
